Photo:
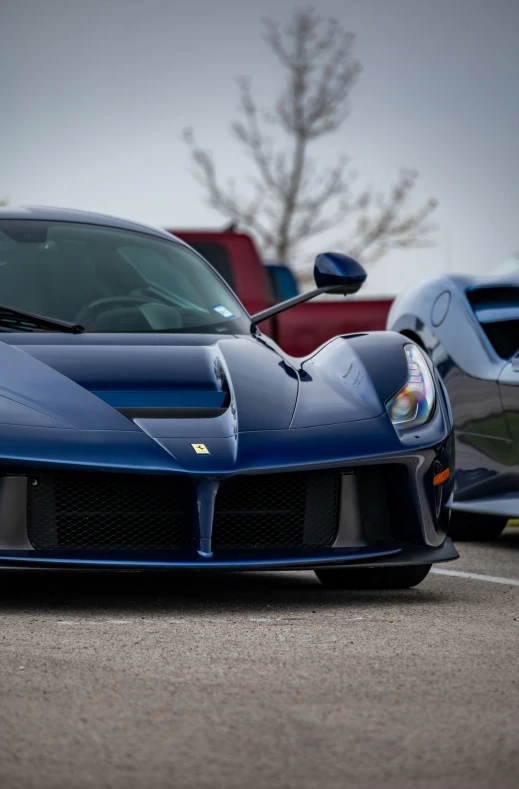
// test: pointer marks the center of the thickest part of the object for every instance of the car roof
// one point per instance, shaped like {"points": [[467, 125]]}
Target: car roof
{"points": [[54, 214]]}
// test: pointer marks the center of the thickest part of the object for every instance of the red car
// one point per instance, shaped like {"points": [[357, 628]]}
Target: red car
{"points": [[300, 330]]}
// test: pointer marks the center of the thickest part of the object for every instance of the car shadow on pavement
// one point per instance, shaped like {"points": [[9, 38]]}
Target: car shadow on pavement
{"points": [[187, 594], [509, 539]]}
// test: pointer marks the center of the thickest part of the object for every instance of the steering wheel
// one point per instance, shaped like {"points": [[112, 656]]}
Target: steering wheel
{"points": [[88, 314]]}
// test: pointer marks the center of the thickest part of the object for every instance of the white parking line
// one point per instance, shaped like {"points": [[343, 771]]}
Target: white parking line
{"points": [[197, 619], [493, 579], [94, 621]]}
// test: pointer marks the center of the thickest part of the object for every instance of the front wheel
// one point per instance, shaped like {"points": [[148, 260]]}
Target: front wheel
{"points": [[373, 578], [468, 526]]}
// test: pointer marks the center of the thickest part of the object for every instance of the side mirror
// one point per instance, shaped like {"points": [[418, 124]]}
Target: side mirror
{"points": [[333, 272], [339, 273]]}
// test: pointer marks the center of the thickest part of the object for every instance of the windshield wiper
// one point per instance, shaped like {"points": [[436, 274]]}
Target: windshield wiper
{"points": [[39, 320]]}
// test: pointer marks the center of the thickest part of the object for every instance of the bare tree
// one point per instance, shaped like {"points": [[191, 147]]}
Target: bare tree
{"points": [[293, 200], [384, 225]]}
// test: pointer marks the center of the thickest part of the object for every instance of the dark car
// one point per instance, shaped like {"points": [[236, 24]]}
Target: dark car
{"points": [[147, 422], [469, 326]]}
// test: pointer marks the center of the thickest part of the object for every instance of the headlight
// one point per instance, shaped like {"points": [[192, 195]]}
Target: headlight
{"points": [[413, 405]]}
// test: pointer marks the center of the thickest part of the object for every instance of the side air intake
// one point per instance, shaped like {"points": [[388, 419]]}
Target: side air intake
{"points": [[497, 310]]}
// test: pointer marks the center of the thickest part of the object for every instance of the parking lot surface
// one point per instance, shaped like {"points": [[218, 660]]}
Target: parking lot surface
{"points": [[261, 680]]}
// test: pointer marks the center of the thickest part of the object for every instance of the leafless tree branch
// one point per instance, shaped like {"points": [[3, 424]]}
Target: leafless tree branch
{"points": [[293, 199], [388, 227]]}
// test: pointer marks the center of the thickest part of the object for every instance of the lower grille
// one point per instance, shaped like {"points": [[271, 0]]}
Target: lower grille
{"points": [[94, 511], [277, 510], [374, 502], [285, 510]]}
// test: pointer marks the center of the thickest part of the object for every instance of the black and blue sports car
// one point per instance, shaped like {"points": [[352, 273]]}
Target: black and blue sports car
{"points": [[146, 421]]}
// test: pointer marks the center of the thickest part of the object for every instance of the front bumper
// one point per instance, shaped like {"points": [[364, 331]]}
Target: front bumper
{"points": [[405, 524]]}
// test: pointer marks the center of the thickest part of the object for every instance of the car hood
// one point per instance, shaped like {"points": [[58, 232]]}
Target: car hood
{"points": [[118, 382], [107, 401], [86, 381]]}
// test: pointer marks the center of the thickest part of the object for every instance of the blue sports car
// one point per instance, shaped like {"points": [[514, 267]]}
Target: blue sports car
{"points": [[146, 421]]}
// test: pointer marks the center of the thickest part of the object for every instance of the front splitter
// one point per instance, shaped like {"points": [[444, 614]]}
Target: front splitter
{"points": [[387, 554]]}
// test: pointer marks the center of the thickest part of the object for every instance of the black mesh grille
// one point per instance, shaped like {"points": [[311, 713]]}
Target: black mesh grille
{"points": [[277, 510], [106, 511], [285, 510]]}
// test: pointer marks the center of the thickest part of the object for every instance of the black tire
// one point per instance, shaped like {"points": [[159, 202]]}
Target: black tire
{"points": [[468, 526], [373, 578]]}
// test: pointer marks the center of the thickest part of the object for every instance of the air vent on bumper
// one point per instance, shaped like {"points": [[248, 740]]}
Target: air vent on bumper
{"points": [[497, 310]]}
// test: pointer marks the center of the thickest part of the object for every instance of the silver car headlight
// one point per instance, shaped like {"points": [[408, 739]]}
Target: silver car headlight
{"points": [[413, 405]]}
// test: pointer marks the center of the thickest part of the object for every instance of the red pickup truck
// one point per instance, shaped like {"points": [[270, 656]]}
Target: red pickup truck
{"points": [[301, 329]]}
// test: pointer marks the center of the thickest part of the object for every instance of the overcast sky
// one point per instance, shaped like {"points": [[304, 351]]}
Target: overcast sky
{"points": [[95, 94]]}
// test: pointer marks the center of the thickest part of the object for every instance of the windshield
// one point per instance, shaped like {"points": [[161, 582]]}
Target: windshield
{"points": [[111, 280]]}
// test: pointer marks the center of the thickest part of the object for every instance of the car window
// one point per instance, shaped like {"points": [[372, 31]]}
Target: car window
{"points": [[283, 282], [158, 271], [112, 280], [217, 256]]}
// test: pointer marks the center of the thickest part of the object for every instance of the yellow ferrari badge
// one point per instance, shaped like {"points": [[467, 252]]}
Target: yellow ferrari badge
{"points": [[200, 449]]}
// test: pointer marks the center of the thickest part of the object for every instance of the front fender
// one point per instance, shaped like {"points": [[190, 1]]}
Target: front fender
{"points": [[350, 379]]}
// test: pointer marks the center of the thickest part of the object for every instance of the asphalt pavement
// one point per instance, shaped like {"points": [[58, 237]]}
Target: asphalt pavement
{"points": [[258, 680]]}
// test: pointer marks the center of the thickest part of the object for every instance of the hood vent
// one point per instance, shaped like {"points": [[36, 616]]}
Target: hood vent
{"points": [[167, 404], [171, 413]]}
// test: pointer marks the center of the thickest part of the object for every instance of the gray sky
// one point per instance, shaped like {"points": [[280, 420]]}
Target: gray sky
{"points": [[95, 94]]}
